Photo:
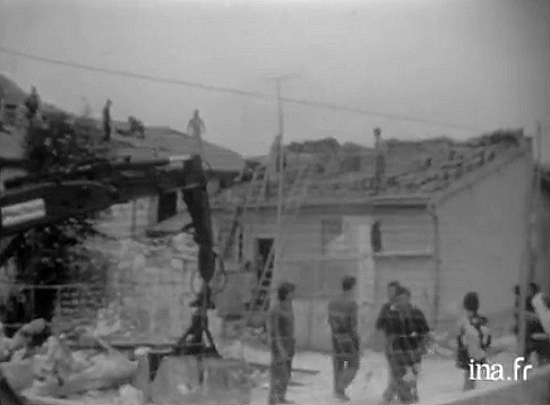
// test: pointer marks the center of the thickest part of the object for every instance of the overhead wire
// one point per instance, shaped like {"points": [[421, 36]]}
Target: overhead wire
{"points": [[234, 91]]}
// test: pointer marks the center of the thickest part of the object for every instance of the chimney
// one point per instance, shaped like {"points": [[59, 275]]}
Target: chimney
{"points": [[380, 163]]}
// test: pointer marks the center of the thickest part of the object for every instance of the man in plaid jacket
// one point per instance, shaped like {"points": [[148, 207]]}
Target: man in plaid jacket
{"points": [[407, 329]]}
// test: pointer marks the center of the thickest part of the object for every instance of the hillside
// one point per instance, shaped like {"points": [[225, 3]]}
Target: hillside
{"points": [[10, 90], [15, 94]]}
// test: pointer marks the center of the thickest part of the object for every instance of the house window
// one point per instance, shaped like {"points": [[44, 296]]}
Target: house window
{"points": [[167, 206], [376, 237], [330, 229]]}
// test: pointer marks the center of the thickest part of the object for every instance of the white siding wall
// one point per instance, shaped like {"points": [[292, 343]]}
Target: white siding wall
{"points": [[405, 229], [482, 239]]}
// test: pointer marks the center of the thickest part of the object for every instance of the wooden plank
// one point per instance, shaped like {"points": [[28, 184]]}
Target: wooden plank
{"points": [[37, 400], [294, 370]]}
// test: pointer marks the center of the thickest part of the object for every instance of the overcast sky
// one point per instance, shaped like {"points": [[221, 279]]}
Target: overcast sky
{"points": [[476, 63]]}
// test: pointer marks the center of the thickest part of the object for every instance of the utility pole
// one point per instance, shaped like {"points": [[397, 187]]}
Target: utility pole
{"points": [[532, 243], [280, 161]]}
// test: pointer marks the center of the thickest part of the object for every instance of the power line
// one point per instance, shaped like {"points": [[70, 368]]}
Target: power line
{"points": [[229, 90]]}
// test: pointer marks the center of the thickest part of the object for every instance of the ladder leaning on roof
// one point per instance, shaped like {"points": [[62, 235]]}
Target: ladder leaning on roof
{"points": [[254, 197], [291, 207]]}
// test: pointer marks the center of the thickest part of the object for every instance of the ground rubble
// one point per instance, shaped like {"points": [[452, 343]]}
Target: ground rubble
{"points": [[61, 373], [312, 380], [81, 367]]}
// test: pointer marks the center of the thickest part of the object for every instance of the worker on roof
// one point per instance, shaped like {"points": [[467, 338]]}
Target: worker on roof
{"points": [[196, 128], [107, 121], [196, 125], [32, 103]]}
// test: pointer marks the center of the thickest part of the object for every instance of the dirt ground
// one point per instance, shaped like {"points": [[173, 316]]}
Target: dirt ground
{"points": [[439, 380]]}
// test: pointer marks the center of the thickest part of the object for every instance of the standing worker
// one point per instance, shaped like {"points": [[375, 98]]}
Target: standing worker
{"points": [[473, 339], [410, 331], [33, 104], [107, 121], [383, 323], [196, 127], [282, 342], [342, 318]]}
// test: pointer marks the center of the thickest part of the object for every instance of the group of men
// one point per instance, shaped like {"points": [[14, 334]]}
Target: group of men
{"points": [[32, 103], [404, 326]]}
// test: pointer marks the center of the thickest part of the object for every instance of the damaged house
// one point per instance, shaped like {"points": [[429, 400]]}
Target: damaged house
{"points": [[440, 216]]}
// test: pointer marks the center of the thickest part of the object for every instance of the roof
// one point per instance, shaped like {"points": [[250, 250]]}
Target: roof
{"points": [[13, 94], [163, 142], [159, 141], [416, 172]]}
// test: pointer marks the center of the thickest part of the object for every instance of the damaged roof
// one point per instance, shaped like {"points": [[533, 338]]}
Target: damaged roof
{"points": [[163, 142], [415, 170]]}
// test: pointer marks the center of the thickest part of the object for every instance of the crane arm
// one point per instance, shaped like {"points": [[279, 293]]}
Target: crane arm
{"points": [[34, 201]]}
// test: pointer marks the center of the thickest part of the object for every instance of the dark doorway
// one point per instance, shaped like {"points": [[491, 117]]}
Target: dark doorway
{"points": [[376, 237], [168, 205]]}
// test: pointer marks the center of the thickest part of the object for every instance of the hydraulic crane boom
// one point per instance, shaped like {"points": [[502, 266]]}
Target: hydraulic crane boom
{"points": [[33, 201]]}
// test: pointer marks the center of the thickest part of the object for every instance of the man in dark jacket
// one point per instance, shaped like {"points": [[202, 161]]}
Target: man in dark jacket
{"points": [[407, 330], [282, 342], [382, 324], [342, 318], [107, 121]]}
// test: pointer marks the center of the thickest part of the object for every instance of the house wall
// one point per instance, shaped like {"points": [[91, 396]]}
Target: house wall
{"points": [[407, 235], [123, 220], [405, 229], [483, 233]]}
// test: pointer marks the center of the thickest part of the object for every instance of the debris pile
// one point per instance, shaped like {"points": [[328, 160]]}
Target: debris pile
{"points": [[61, 373], [149, 287], [37, 364]]}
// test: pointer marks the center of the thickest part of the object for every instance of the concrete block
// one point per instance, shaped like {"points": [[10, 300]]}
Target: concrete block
{"points": [[177, 381], [174, 377]]}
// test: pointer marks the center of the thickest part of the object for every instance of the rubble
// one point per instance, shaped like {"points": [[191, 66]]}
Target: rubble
{"points": [[150, 287]]}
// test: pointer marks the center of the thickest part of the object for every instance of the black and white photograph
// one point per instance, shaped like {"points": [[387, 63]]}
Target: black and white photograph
{"points": [[262, 202]]}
